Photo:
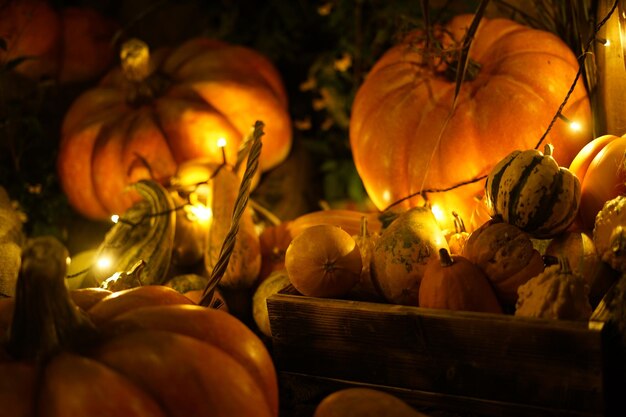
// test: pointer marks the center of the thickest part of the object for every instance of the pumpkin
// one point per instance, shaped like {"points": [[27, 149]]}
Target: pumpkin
{"points": [[600, 168], [31, 30], [556, 293], [364, 402], [70, 45], [583, 259], [506, 255], [609, 234], [454, 283], [402, 252], [323, 261], [529, 190], [157, 111], [406, 137], [144, 358]]}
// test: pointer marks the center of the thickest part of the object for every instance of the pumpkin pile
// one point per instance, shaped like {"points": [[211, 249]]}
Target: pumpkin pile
{"points": [[528, 259]]}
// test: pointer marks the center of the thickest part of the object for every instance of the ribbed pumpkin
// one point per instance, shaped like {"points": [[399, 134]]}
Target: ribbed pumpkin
{"points": [[506, 255], [406, 139], [529, 190], [609, 233], [129, 354], [155, 112], [602, 173], [556, 293]]}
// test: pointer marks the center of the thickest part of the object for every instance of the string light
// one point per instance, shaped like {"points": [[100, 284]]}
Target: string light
{"points": [[604, 42], [221, 143], [574, 125], [115, 218], [104, 262]]}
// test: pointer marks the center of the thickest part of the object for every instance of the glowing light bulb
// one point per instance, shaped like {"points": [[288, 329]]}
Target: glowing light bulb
{"points": [[68, 261], [387, 196], [607, 42], [115, 218], [575, 126], [104, 262], [199, 212], [438, 213], [221, 142]]}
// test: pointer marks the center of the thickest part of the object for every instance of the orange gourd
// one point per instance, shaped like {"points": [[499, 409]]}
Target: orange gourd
{"points": [[600, 168], [158, 110], [405, 138], [323, 261], [69, 45], [506, 255], [452, 282], [147, 351]]}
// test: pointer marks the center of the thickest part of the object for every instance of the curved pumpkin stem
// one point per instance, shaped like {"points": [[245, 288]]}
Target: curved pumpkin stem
{"points": [[548, 149], [45, 318]]}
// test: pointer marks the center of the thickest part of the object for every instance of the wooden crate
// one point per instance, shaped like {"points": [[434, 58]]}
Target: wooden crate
{"points": [[470, 363]]}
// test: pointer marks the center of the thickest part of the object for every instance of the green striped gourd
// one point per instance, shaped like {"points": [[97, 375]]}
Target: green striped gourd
{"points": [[529, 190]]}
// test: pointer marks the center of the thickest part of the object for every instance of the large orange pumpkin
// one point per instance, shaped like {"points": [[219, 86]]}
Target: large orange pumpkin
{"points": [[155, 112], [406, 137], [139, 352], [600, 167]]}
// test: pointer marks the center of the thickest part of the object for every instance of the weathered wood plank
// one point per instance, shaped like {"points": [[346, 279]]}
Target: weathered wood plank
{"points": [[545, 364]]}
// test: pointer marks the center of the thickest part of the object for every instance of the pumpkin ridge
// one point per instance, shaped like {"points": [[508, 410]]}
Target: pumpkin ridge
{"points": [[516, 191], [492, 188], [546, 204]]}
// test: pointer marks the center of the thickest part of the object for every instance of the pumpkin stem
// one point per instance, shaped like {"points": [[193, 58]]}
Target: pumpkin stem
{"points": [[363, 229], [44, 318], [445, 258], [135, 62], [459, 224], [548, 149], [564, 266]]}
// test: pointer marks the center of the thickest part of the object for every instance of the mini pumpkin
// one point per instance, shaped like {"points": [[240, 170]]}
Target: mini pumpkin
{"points": [[323, 261], [506, 255], [556, 293], [454, 283], [609, 233], [531, 191], [583, 259], [156, 111], [142, 358]]}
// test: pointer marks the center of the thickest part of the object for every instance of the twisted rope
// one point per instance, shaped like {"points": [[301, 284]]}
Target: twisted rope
{"points": [[240, 206]]}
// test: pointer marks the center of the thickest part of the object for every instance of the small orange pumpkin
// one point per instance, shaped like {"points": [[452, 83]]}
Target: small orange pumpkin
{"points": [[452, 282], [323, 261]]}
